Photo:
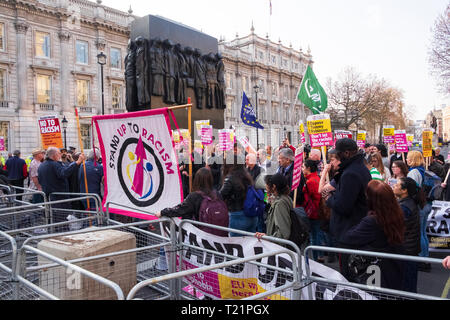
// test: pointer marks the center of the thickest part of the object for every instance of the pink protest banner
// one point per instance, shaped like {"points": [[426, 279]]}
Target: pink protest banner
{"points": [[225, 141], [2, 143], [401, 142], [141, 166], [297, 174], [206, 134]]}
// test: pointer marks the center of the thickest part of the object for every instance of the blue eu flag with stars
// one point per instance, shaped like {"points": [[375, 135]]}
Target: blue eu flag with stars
{"points": [[248, 115]]}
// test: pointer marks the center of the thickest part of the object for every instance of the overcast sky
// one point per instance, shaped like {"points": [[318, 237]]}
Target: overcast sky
{"points": [[387, 38]]}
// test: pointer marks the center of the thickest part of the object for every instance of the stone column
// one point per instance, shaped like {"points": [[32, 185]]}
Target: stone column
{"points": [[22, 76], [65, 82]]}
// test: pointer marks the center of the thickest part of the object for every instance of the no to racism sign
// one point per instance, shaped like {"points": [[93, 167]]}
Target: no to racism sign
{"points": [[50, 131], [401, 142]]}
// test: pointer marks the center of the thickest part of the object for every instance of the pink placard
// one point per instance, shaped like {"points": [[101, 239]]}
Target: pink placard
{"points": [[206, 133], [321, 139], [297, 174], [401, 142], [361, 143], [225, 143], [2, 144], [389, 140]]}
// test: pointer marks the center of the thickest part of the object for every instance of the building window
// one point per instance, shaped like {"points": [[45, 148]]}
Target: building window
{"points": [[4, 132], [82, 49], [85, 130], [228, 110], [42, 44], [261, 55], [44, 89], [229, 81], [2, 37], [275, 115], [262, 87], [82, 93], [286, 92], [116, 96], [274, 89], [295, 66], [2, 85], [273, 59], [115, 58], [245, 84]]}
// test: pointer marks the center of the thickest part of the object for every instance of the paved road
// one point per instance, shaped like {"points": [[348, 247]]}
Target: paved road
{"points": [[429, 283]]}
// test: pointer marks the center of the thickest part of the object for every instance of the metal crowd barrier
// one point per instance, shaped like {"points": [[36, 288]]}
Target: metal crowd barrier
{"points": [[374, 291], [26, 192], [124, 263], [18, 223], [234, 262]]}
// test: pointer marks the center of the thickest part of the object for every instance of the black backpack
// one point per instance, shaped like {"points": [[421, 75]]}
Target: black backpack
{"points": [[299, 230]]}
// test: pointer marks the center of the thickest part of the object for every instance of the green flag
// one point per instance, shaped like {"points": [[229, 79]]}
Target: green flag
{"points": [[312, 94]]}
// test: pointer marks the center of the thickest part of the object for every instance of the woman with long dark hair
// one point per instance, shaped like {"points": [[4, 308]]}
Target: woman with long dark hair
{"points": [[382, 230], [406, 192], [236, 181]]}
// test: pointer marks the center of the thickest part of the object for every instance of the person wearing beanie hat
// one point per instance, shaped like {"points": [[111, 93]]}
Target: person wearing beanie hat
{"points": [[348, 203]]}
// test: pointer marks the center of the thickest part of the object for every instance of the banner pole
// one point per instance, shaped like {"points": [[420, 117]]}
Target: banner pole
{"points": [[295, 197], [190, 141], [324, 159], [446, 178], [84, 163]]}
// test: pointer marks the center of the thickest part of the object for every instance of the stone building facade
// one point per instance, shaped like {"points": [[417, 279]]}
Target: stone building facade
{"points": [[277, 70], [48, 66]]}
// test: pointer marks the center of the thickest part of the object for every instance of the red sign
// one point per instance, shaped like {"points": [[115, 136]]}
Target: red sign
{"points": [[50, 132]]}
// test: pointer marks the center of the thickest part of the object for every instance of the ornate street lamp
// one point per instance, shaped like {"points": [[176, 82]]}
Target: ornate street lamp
{"points": [[64, 125], [101, 60]]}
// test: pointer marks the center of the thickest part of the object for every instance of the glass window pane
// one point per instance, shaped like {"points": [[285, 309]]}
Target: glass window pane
{"points": [[2, 36], [85, 130], [115, 58], [43, 89], [2, 85], [42, 44], [116, 96], [82, 52], [82, 93]]}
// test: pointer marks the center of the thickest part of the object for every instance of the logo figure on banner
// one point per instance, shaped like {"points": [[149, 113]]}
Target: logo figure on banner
{"points": [[140, 172]]}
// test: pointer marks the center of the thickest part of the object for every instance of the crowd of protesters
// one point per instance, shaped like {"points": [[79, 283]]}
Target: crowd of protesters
{"points": [[354, 198]]}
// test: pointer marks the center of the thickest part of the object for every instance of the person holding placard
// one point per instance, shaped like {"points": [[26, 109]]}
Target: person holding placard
{"points": [[236, 181]]}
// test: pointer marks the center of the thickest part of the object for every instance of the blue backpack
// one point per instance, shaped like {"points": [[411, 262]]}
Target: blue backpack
{"points": [[254, 203]]}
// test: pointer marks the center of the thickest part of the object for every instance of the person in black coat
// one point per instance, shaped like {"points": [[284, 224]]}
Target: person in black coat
{"points": [[233, 192], [382, 230], [406, 192], [348, 203]]}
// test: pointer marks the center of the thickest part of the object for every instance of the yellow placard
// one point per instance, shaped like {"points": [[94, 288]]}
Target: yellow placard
{"points": [[427, 144], [319, 126], [361, 136], [201, 123], [302, 128], [176, 136], [198, 144], [410, 137], [388, 132]]}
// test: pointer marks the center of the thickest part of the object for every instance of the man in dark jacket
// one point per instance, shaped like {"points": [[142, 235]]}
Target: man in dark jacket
{"points": [[53, 177], [349, 202], [286, 161], [17, 171], [252, 167]]}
